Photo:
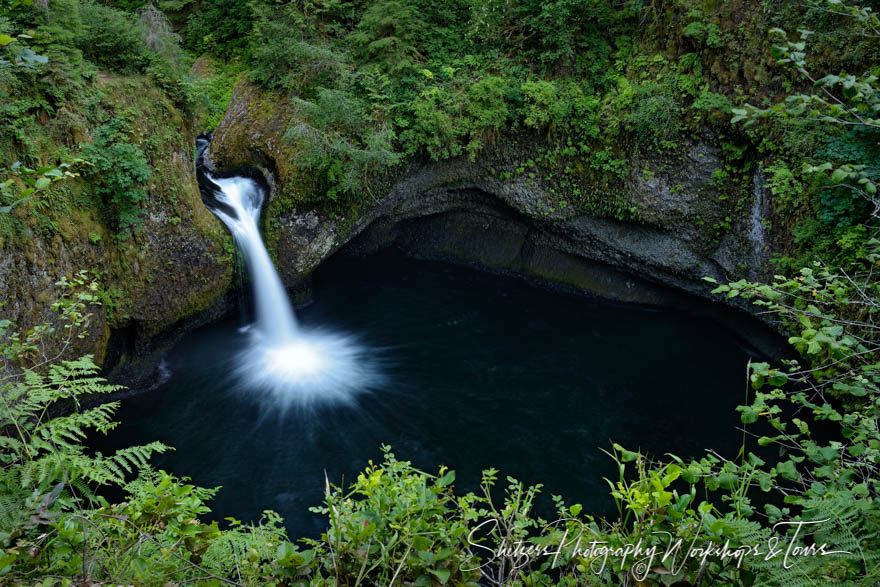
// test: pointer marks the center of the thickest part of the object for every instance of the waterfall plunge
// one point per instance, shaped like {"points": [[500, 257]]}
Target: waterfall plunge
{"points": [[274, 315], [288, 364]]}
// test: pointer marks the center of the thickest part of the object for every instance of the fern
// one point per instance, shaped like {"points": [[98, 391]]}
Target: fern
{"points": [[847, 525], [39, 452]]}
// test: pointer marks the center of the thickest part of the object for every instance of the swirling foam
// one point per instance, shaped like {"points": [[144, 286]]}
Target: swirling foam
{"points": [[316, 367]]}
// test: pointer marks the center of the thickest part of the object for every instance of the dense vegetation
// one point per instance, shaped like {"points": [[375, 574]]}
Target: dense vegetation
{"points": [[86, 87]]}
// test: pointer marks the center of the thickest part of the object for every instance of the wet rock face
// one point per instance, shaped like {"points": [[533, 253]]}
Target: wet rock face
{"points": [[27, 285], [674, 242], [177, 271], [252, 134], [304, 241], [759, 231], [175, 268], [671, 244], [668, 193]]}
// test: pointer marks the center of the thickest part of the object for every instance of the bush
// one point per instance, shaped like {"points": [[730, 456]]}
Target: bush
{"points": [[540, 96], [787, 190], [397, 522], [112, 39], [118, 176], [655, 113], [298, 64], [335, 142], [220, 27], [387, 35]]}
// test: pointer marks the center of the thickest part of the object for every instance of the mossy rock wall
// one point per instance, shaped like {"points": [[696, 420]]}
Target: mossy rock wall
{"points": [[176, 265], [674, 240]]}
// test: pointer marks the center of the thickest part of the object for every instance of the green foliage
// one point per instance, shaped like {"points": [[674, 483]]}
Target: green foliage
{"points": [[112, 38], [830, 315], [45, 343], [17, 53], [563, 36], [334, 142], [396, 522], [217, 92], [839, 179], [486, 103], [35, 181], [785, 186], [287, 50], [49, 451], [654, 112], [220, 27], [854, 162], [444, 127], [704, 30], [119, 173], [423, 83], [387, 33], [716, 105], [168, 63], [539, 97]]}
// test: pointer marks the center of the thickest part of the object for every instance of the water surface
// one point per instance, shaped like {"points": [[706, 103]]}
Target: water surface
{"points": [[482, 370]]}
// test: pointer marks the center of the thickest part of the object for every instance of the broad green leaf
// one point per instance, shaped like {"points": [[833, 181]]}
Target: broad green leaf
{"points": [[787, 470], [626, 456], [441, 574], [446, 479]]}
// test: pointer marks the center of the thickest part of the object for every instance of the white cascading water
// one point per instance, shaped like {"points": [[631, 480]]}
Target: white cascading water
{"points": [[274, 314], [285, 362]]}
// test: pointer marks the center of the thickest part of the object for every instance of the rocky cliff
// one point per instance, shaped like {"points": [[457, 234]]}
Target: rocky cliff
{"points": [[173, 270], [508, 221]]}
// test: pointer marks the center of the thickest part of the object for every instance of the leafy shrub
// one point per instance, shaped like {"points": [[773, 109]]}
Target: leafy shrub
{"points": [[216, 90], [283, 53], [36, 182], [655, 113], [560, 36], [564, 28], [716, 105], [112, 39], [842, 207], [434, 125], [486, 104], [334, 142], [842, 203], [786, 188], [703, 30], [158, 36], [119, 173], [561, 106], [220, 27], [397, 522], [539, 96], [387, 34]]}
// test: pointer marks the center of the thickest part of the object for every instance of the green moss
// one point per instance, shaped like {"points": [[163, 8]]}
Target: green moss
{"points": [[71, 214]]}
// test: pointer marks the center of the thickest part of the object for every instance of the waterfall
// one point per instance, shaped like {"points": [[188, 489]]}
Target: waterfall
{"points": [[759, 214], [282, 361], [244, 199]]}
